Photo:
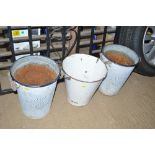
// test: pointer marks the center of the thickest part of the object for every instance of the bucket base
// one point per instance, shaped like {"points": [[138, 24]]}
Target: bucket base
{"points": [[35, 117], [75, 103], [107, 93]]}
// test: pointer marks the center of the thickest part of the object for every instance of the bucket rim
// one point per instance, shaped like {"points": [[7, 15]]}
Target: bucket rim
{"points": [[83, 80], [35, 86], [118, 51]]}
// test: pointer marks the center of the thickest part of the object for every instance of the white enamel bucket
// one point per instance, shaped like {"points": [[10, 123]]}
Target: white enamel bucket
{"points": [[83, 75]]}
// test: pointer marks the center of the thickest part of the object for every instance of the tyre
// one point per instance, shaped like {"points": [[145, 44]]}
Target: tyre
{"points": [[142, 40]]}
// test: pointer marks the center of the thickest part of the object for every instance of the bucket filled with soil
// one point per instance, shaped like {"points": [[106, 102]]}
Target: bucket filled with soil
{"points": [[35, 78], [83, 75], [120, 62]]}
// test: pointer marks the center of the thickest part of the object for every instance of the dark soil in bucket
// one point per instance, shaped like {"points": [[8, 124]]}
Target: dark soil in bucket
{"points": [[35, 74], [119, 58]]}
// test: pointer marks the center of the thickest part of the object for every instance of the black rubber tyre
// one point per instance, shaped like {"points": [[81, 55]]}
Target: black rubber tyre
{"points": [[132, 37]]}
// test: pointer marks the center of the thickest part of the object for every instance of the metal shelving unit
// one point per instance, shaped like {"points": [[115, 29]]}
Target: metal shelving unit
{"points": [[52, 41]]}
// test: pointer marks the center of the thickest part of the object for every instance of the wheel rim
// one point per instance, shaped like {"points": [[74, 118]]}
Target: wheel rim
{"points": [[149, 45]]}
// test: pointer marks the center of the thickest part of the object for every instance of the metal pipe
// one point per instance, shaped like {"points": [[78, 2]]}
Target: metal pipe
{"points": [[91, 40], [30, 40], [78, 39], [63, 42], [48, 41], [104, 37], [6, 91], [11, 43]]}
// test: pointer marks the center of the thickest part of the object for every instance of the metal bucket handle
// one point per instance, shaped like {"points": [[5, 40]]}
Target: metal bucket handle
{"points": [[14, 85], [63, 75], [106, 62]]}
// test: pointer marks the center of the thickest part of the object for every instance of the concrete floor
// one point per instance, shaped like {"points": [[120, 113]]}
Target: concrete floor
{"points": [[133, 107]]}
